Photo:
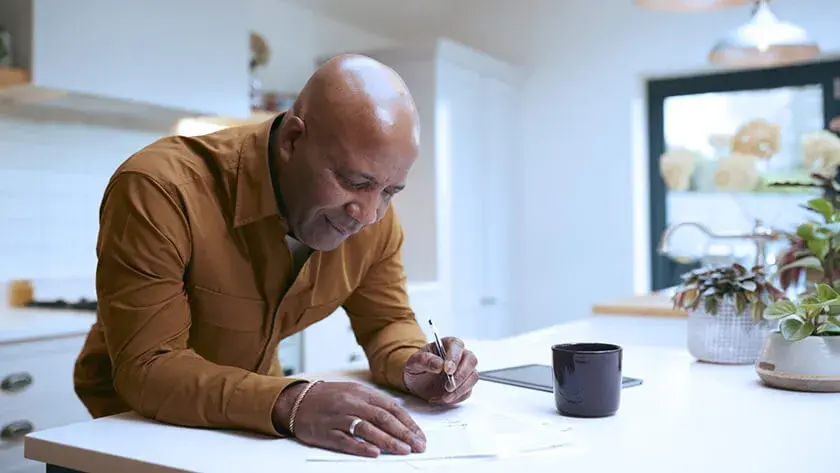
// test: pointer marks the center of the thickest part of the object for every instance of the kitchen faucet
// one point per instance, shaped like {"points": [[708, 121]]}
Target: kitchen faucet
{"points": [[760, 235]]}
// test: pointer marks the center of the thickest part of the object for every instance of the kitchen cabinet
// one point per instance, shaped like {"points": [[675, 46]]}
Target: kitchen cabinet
{"points": [[38, 349], [457, 207], [129, 58]]}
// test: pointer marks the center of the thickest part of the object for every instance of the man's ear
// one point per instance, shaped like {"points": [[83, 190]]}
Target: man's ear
{"points": [[291, 130]]}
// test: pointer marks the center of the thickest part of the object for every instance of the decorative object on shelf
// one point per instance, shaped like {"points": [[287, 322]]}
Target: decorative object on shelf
{"points": [[827, 186], [6, 58], [758, 138], [260, 54], [690, 5], [274, 101], [21, 293], [676, 167], [725, 306], [737, 173], [764, 41], [804, 352], [821, 152]]}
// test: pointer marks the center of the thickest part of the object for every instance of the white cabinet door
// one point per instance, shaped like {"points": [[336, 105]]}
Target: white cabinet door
{"points": [[189, 54]]}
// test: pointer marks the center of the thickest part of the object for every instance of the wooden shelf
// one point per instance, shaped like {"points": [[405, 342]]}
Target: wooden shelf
{"points": [[646, 305], [11, 77]]}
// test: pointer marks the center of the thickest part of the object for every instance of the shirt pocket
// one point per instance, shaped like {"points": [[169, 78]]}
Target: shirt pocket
{"points": [[235, 313], [227, 330]]}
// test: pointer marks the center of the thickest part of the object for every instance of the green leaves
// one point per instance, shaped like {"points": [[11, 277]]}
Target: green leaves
{"points": [[794, 328], [814, 314], [749, 290], [808, 262], [831, 326], [826, 293], [823, 207], [780, 310]]}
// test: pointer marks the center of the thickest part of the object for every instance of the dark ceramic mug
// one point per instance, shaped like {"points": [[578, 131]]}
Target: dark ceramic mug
{"points": [[587, 379]]}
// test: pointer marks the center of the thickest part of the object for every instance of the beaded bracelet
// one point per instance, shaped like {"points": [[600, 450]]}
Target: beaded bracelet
{"points": [[296, 405]]}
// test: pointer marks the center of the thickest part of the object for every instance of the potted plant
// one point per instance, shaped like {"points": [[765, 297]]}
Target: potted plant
{"points": [[804, 352], [797, 258], [725, 306]]}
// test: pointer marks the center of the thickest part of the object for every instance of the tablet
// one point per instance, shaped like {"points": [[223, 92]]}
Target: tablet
{"points": [[538, 377]]}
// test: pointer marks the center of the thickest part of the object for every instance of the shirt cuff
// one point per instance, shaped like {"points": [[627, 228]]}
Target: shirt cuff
{"points": [[252, 403], [395, 367]]}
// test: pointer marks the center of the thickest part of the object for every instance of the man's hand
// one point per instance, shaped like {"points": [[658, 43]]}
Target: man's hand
{"points": [[324, 417], [425, 372]]}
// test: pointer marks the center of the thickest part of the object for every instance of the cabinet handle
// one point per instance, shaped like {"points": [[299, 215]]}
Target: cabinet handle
{"points": [[16, 382], [353, 357], [16, 430]]}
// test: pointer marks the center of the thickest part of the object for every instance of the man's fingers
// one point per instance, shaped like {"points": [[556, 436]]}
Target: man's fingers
{"points": [[342, 441], [454, 349], [466, 367], [464, 389], [401, 415], [424, 362], [379, 436], [401, 434]]}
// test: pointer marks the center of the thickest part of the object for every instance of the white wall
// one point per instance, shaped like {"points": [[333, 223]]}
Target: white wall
{"points": [[297, 37], [587, 58], [52, 176]]}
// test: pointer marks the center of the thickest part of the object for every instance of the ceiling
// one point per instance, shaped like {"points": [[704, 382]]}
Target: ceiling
{"points": [[397, 19]]}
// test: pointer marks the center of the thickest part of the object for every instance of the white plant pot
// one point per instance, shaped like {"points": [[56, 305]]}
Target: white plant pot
{"points": [[811, 364], [727, 337]]}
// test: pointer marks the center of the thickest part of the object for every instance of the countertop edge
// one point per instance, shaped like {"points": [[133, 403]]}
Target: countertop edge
{"points": [[88, 461]]}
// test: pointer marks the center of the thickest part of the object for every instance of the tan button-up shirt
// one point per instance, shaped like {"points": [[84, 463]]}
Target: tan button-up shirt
{"points": [[196, 288]]}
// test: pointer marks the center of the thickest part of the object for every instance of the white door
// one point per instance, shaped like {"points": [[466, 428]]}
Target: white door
{"points": [[459, 101], [496, 167]]}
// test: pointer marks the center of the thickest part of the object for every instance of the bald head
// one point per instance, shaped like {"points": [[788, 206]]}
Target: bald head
{"points": [[358, 101], [345, 148]]}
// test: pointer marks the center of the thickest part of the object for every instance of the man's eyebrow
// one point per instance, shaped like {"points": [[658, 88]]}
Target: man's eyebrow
{"points": [[373, 181]]}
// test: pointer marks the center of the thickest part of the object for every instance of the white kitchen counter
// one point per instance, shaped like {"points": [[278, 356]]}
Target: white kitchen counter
{"points": [[27, 324], [687, 417]]}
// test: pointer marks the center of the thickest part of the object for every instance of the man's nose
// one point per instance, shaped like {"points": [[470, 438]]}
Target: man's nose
{"points": [[364, 210]]}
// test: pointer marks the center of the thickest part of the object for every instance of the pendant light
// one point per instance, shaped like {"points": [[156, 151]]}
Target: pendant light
{"points": [[764, 41], [690, 5]]}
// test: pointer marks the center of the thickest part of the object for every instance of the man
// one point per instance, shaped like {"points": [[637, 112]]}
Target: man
{"points": [[212, 249]]}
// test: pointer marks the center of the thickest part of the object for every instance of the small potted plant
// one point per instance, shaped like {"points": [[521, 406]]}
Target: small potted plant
{"points": [[804, 352], [725, 306]]}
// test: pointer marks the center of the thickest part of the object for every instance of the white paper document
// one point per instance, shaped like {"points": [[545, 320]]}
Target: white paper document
{"points": [[467, 432]]}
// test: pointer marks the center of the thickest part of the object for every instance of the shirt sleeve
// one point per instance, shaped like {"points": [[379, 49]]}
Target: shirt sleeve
{"points": [[380, 314], [143, 249]]}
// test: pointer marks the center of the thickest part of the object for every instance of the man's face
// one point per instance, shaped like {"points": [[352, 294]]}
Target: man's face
{"points": [[333, 188]]}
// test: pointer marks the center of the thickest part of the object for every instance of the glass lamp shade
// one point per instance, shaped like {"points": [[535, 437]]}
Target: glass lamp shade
{"points": [[764, 41], [690, 5]]}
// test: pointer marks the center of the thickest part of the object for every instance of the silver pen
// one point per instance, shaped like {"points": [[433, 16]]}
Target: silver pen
{"points": [[441, 351]]}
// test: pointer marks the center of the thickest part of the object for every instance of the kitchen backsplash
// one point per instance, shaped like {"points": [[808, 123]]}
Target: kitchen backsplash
{"points": [[52, 176]]}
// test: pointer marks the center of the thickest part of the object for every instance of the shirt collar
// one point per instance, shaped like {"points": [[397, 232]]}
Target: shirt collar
{"points": [[255, 196]]}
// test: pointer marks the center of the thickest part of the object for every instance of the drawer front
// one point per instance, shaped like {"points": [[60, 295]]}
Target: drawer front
{"points": [[36, 387], [35, 370]]}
